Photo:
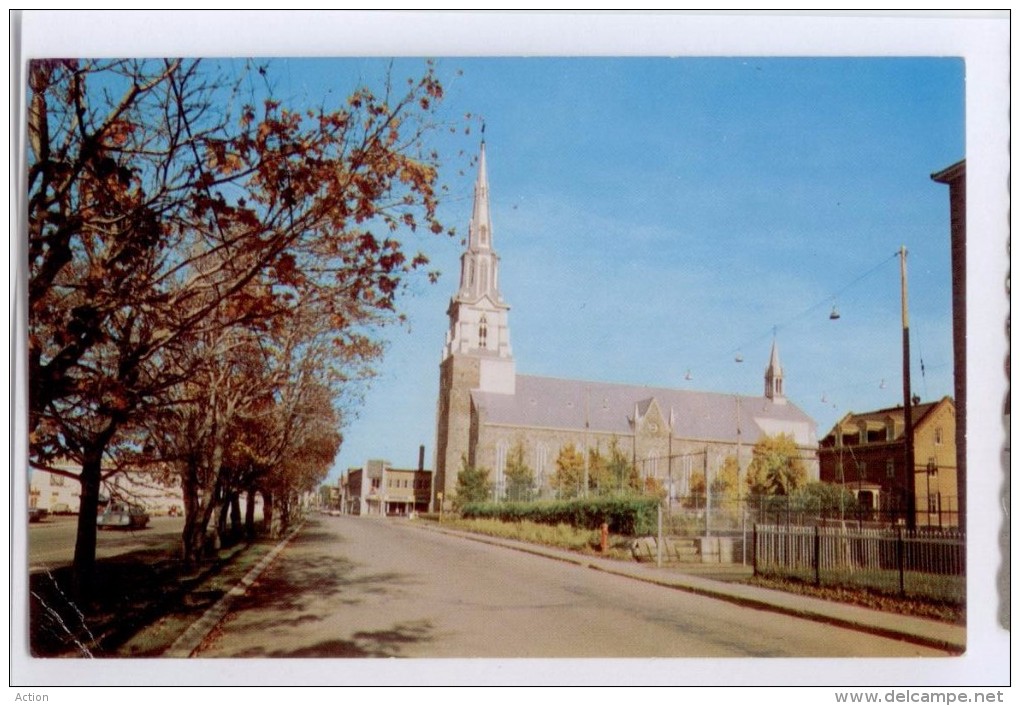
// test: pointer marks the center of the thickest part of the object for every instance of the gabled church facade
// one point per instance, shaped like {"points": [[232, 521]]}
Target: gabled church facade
{"points": [[485, 409]]}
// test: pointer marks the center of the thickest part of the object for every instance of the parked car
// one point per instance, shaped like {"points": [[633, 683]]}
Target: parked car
{"points": [[61, 509], [123, 516], [35, 514]]}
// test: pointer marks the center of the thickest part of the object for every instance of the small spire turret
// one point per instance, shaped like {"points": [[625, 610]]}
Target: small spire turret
{"points": [[774, 376]]}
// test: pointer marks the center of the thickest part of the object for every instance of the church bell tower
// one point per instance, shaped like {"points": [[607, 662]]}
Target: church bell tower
{"points": [[477, 353]]}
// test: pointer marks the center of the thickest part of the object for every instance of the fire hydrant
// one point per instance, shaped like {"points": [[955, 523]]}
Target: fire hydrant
{"points": [[605, 537]]}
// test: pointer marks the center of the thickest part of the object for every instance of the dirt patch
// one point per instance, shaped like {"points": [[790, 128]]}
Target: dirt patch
{"points": [[952, 613]]}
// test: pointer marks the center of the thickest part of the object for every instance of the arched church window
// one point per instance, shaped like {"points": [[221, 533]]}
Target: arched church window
{"points": [[483, 333], [652, 465], [502, 449]]}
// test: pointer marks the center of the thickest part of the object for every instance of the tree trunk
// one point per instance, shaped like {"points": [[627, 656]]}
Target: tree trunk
{"points": [[284, 514], [235, 516], [267, 512], [196, 522], [84, 566], [189, 486], [249, 515], [220, 533]]}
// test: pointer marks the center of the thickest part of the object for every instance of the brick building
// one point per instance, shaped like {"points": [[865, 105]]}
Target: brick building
{"points": [[377, 488], [955, 177], [865, 452]]}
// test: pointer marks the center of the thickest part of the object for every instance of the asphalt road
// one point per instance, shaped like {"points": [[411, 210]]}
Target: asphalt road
{"points": [[360, 587], [51, 541]]}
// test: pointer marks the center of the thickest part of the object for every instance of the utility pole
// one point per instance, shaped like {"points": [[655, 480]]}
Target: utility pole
{"points": [[908, 422], [587, 424], [669, 464]]}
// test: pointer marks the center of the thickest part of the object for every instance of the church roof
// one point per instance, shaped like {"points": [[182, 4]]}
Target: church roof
{"points": [[556, 403]]}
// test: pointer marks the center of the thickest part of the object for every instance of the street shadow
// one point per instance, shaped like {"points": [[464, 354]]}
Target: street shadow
{"points": [[129, 592], [310, 587], [369, 644]]}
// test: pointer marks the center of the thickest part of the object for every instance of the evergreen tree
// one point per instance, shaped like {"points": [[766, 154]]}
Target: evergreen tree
{"points": [[520, 479], [569, 475], [624, 475], [472, 485]]}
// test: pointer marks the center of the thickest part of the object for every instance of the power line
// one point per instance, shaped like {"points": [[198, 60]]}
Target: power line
{"points": [[774, 330]]}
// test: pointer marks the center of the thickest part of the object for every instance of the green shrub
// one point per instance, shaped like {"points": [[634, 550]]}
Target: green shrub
{"points": [[630, 516]]}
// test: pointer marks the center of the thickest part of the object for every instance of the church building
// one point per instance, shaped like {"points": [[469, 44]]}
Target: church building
{"points": [[486, 409]]}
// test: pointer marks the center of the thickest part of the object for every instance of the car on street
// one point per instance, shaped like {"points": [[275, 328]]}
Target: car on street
{"points": [[61, 509], [123, 516], [36, 514]]}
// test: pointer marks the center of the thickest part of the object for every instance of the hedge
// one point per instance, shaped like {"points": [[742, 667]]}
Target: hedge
{"points": [[631, 516]]}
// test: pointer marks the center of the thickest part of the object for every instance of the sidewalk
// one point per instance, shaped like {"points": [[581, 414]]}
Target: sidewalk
{"points": [[721, 581]]}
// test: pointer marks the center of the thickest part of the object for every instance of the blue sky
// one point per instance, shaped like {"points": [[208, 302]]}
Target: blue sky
{"points": [[657, 215]]}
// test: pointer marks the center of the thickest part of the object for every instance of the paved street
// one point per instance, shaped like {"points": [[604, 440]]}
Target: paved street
{"points": [[360, 587], [51, 542]]}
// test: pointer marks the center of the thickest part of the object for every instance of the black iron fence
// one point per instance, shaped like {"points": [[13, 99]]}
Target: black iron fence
{"points": [[928, 562], [698, 514]]}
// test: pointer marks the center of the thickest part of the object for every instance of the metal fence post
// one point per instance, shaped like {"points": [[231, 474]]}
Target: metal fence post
{"points": [[658, 544], [900, 558], [743, 535], [818, 557], [754, 547]]}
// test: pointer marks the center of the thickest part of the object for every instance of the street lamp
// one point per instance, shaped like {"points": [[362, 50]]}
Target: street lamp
{"points": [[908, 422]]}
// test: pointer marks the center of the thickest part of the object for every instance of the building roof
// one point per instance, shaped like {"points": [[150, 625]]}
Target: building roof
{"points": [[556, 403], [879, 417], [951, 173]]}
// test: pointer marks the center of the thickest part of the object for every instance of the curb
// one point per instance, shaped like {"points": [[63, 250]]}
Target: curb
{"points": [[186, 644], [710, 591]]}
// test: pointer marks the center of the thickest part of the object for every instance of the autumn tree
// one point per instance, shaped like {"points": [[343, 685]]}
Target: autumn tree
{"points": [[156, 218], [695, 497], [726, 484], [776, 467], [520, 479], [312, 439]]}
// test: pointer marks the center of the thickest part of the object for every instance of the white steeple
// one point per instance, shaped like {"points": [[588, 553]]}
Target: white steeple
{"points": [[774, 377], [479, 264], [478, 313]]}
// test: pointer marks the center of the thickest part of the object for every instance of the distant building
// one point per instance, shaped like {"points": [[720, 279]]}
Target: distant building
{"points": [[377, 488], [486, 410], [864, 452], [60, 486]]}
